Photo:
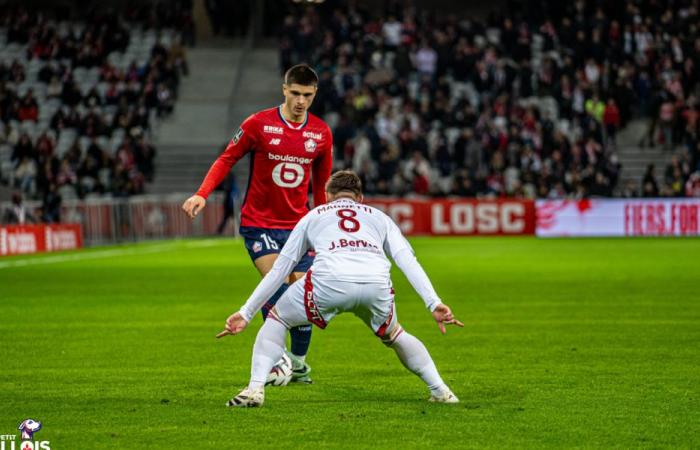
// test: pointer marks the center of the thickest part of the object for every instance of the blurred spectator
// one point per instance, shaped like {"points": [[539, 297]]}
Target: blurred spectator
{"points": [[229, 202], [51, 206], [28, 107], [611, 120], [17, 213], [649, 186], [692, 186]]}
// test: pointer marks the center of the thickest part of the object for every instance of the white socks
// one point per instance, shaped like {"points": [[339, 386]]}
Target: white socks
{"points": [[416, 358], [268, 349]]}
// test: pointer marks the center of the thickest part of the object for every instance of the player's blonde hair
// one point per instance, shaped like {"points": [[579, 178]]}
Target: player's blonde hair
{"points": [[344, 180]]}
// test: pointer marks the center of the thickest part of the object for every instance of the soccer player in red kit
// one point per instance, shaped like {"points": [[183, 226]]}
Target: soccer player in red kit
{"points": [[289, 147]]}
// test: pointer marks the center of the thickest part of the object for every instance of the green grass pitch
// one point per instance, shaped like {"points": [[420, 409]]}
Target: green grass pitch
{"points": [[590, 343]]}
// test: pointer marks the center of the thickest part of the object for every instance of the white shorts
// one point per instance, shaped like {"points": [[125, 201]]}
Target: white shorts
{"points": [[317, 300]]}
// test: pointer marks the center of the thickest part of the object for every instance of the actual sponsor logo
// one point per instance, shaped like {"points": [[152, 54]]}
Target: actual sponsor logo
{"points": [[275, 141], [28, 428], [310, 145], [237, 136], [273, 130], [288, 175], [309, 134]]}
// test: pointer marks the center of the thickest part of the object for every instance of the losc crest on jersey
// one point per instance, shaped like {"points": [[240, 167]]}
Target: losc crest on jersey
{"points": [[310, 145], [237, 137]]}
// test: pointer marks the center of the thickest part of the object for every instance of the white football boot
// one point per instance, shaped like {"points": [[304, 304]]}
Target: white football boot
{"points": [[444, 397], [248, 398]]}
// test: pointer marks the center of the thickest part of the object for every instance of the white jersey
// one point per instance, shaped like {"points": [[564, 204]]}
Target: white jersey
{"points": [[350, 239]]}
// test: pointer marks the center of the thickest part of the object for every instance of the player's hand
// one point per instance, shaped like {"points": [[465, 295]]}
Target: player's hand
{"points": [[443, 316], [234, 325], [194, 205]]}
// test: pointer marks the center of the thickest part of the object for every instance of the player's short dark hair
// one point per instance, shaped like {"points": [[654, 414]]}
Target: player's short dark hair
{"points": [[344, 180], [301, 74]]}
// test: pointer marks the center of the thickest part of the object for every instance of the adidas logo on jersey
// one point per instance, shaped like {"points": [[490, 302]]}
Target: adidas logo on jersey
{"points": [[273, 130], [275, 141]]}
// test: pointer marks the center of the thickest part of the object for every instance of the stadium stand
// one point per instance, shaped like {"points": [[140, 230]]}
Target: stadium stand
{"points": [[79, 99], [529, 103]]}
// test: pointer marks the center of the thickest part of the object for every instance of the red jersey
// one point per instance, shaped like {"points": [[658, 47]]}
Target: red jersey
{"points": [[285, 157]]}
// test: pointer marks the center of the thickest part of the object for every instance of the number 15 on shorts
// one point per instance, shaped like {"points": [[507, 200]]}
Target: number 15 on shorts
{"points": [[270, 244]]}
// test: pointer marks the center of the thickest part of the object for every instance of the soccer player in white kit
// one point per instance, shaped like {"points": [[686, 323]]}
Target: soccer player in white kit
{"points": [[349, 274]]}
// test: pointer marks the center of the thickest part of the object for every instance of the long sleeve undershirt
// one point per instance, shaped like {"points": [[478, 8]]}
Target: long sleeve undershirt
{"points": [[407, 262], [268, 285]]}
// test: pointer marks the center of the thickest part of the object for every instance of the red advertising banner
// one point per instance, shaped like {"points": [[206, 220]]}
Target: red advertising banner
{"points": [[460, 217], [25, 239]]}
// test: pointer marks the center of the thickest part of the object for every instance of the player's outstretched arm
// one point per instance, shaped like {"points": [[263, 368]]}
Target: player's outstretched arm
{"points": [[443, 316], [194, 205], [268, 285]]}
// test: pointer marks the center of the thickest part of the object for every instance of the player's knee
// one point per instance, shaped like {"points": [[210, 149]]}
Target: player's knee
{"points": [[390, 335], [274, 315]]}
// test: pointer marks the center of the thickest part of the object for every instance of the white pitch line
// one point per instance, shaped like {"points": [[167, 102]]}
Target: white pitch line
{"points": [[107, 253]]}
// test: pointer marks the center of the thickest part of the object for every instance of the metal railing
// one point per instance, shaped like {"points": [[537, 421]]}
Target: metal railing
{"points": [[110, 221]]}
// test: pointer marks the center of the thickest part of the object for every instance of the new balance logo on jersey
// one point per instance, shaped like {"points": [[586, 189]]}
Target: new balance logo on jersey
{"points": [[273, 130], [275, 141]]}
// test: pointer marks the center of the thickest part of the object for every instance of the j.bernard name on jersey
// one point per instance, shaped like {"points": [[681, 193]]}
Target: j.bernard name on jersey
{"points": [[354, 245]]}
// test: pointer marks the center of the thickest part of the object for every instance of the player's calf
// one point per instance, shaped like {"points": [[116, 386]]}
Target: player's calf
{"points": [[415, 357]]}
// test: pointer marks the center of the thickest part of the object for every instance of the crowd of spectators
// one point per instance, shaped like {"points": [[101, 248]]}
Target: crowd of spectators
{"points": [[76, 115], [527, 103]]}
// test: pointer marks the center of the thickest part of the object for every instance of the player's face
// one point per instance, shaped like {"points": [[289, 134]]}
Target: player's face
{"points": [[298, 98]]}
